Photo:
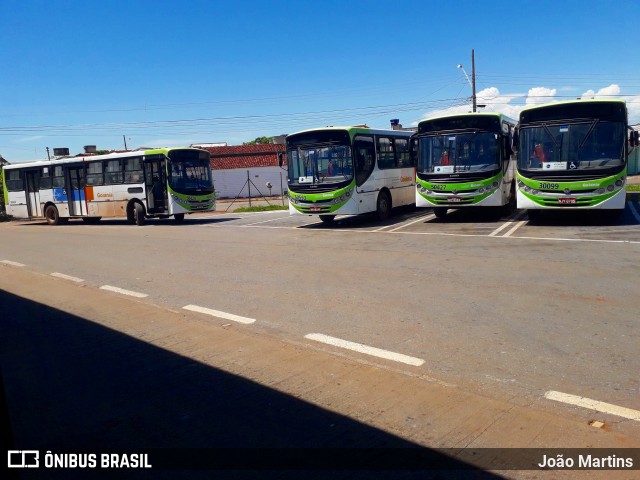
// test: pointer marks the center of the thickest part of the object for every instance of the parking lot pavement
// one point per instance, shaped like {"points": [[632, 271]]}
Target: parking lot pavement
{"points": [[107, 372], [593, 225]]}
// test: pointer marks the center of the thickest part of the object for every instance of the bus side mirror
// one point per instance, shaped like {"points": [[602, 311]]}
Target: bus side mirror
{"points": [[634, 138]]}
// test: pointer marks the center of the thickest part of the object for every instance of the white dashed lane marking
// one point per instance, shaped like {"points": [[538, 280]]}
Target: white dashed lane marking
{"points": [[122, 291], [219, 314], [67, 277], [591, 404], [358, 347], [13, 264]]}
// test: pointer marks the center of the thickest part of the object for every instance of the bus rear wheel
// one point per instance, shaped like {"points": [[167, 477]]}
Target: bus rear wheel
{"points": [[52, 215], [327, 218], [383, 206], [440, 212]]}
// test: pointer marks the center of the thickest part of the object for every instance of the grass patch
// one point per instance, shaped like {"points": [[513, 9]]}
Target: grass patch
{"points": [[633, 188], [261, 208]]}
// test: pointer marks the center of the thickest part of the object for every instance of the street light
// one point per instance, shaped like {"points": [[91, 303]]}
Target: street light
{"points": [[472, 82]]}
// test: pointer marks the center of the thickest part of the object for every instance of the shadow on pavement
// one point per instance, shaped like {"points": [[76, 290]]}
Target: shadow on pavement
{"points": [[73, 384]]}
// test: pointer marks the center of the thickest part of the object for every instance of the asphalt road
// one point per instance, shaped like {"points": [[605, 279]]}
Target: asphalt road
{"points": [[496, 306]]}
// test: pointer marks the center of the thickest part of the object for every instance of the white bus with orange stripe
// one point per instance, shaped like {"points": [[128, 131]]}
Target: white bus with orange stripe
{"points": [[135, 185]]}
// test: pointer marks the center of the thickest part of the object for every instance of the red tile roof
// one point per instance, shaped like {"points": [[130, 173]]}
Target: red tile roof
{"points": [[244, 156]]}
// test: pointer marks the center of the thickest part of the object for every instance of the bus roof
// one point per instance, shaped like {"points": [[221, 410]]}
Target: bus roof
{"points": [[471, 114], [357, 128], [575, 102], [106, 156]]}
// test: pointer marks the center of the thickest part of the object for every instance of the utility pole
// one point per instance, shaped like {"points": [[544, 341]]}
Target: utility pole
{"points": [[473, 80], [48, 156], [125, 142]]}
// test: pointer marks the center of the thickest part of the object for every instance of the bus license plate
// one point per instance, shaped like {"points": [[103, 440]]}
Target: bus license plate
{"points": [[454, 199], [567, 201], [315, 209]]}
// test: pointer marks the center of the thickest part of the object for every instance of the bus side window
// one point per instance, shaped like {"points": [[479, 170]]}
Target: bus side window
{"points": [[132, 170], [112, 172], [45, 178], [386, 153], [58, 177], [14, 180], [402, 152], [94, 173]]}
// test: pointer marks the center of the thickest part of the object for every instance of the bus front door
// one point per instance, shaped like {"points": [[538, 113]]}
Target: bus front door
{"points": [[32, 178], [74, 185], [156, 185]]}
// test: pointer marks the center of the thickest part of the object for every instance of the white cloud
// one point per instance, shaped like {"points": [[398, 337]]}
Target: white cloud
{"points": [[539, 95], [611, 90]]}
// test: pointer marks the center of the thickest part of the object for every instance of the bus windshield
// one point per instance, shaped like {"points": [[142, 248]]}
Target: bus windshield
{"points": [[320, 164], [190, 172], [588, 145], [458, 152]]}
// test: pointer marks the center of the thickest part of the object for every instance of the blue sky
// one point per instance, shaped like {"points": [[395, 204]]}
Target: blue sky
{"points": [[166, 73]]}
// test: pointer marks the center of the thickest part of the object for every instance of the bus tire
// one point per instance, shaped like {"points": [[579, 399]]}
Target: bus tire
{"points": [[327, 218], [91, 219], [131, 213], [383, 206], [52, 215], [440, 212], [178, 217], [138, 210]]}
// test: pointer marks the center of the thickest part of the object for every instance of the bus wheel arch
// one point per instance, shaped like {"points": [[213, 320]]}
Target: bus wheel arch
{"points": [[383, 204]]}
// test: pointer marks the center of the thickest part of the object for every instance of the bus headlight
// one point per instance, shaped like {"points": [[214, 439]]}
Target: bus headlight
{"points": [[495, 185], [534, 192], [610, 188], [348, 193], [481, 190], [527, 189], [520, 183], [600, 191], [619, 183]]}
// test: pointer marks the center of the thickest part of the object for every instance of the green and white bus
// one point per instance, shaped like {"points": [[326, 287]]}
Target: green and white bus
{"points": [[135, 185], [573, 155], [348, 171], [465, 160]]}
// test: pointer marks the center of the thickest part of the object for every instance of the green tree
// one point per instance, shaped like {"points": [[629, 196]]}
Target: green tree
{"points": [[259, 141]]}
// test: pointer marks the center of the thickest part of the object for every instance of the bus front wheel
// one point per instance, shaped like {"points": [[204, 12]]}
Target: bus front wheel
{"points": [[138, 214], [440, 212], [327, 218], [383, 206], [178, 217]]}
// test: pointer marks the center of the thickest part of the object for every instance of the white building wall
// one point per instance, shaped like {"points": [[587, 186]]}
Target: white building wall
{"points": [[232, 183]]}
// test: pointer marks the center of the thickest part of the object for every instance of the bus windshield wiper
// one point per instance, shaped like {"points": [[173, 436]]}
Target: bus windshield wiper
{"points": [[591, 128], [553, 139]]}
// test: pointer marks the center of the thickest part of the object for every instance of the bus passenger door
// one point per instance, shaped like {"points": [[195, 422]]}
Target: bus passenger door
{"points": [[32, 178], [156, 184], [74, 185]]}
